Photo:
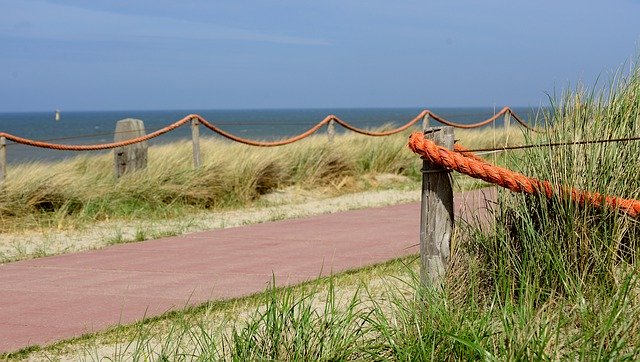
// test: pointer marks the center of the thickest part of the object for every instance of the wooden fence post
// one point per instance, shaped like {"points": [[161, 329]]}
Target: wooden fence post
{"points": [[436, 215], [331, 131], [195, 139], [425, 122], [507, 121], [3, 159], [132, 157]]}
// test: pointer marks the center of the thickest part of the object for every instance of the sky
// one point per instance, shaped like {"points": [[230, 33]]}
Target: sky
{"points": [[158, 54]]}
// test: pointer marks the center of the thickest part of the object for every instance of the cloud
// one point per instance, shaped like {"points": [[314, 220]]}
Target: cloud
{"points": [[30, 19]]}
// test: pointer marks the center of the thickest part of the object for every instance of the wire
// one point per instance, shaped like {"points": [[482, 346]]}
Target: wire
{"points": [[557, 144]]}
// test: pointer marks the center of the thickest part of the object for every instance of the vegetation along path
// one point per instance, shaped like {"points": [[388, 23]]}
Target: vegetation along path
{"points": [[48, 299]]}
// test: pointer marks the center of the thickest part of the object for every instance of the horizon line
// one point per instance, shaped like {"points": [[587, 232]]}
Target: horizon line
{"points": [[189, 110]]}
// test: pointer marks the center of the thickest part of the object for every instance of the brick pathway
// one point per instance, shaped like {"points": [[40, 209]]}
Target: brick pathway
{"points": [[48, 299]]}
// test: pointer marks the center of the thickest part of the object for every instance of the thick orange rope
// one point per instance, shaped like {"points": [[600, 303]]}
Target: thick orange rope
{"points": [[312, 130], [467, 163]]}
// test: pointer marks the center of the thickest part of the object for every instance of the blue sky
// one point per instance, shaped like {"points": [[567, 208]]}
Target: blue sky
{"points": [[151, 54]]}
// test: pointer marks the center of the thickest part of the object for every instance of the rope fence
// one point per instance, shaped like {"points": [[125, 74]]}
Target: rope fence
{"points": [[84, 136], [233, 124], [466, 162], [125, 145], [422, 116], [435, 145], [440, 156]]}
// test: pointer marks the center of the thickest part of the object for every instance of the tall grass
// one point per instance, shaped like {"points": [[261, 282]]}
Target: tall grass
{"points": [[541, 247], [84, 189], [231, 175]]}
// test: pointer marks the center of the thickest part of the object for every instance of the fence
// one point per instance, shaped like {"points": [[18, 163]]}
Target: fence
{"points": [[123, 138], [436, 147]]}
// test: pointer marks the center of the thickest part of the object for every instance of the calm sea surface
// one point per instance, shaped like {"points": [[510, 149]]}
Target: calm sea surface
{"points": [[98, 127]]}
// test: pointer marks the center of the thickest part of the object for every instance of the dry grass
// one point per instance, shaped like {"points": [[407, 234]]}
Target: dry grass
{"points": [[83, 190]]}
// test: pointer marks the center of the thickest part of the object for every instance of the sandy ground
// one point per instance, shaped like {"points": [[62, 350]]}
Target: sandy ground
{"points": [[283, 204]]}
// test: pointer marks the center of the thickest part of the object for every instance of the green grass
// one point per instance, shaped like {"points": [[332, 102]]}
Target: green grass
{"points": [[358, 316], [194, 327], [556, 245]]}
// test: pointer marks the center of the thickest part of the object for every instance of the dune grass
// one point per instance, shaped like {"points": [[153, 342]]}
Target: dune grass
{"points": [[557, 245], [83, 190]]}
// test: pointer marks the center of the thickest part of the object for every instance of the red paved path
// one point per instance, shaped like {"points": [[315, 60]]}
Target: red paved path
{"points": [[48, 299]]}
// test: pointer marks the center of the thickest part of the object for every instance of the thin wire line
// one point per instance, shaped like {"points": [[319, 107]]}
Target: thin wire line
{"points": [[557, 144]]}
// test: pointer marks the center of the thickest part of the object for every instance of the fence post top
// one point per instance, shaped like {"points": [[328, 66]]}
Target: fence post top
{"points": [[436, 129], [130, 120]]}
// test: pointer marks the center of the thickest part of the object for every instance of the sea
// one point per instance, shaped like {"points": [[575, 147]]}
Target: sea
{"points": [[76, 127]]}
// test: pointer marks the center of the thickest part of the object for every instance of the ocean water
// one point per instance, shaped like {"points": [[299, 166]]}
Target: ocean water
{"points": [[98, 126]]}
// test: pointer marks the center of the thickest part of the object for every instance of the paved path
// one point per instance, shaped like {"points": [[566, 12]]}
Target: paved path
{"points": [[48, 299]]}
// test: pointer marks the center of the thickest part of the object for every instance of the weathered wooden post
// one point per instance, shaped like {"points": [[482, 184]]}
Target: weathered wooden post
{"points": [[507, 121], [436, 217], [195, 139], [331, 131], [132, 157], [3, 159], [425, 122]]}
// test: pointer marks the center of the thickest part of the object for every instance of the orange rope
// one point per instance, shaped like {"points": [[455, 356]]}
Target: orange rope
{"points": [[214, 128], [378, 134], [465, 162], [482, 123], [102, 146], [287, 141]]}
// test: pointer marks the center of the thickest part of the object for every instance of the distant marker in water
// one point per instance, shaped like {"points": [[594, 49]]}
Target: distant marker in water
{"points": [[57, 114]]}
